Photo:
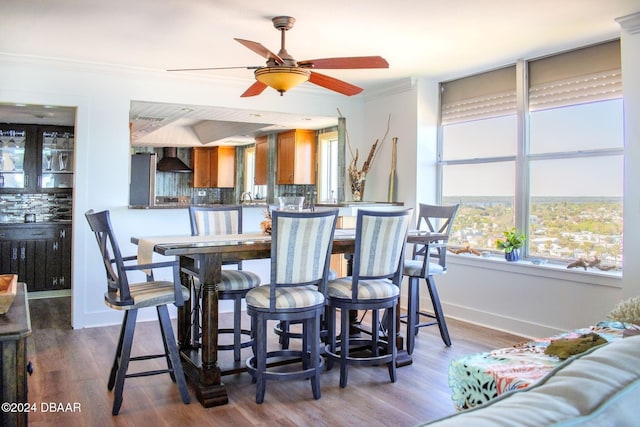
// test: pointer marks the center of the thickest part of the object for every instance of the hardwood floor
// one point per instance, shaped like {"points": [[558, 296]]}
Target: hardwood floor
{"points": [[72, 367]]}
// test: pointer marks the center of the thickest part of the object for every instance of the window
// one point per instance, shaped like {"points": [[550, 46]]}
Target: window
{"points": [[257, 191], [551, 164], [328, 167]]}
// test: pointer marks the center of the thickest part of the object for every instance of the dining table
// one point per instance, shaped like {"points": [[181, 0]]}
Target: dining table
{"points": [[203, 257]]}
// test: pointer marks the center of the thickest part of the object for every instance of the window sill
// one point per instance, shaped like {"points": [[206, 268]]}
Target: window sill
{"points": [[547, 270]]}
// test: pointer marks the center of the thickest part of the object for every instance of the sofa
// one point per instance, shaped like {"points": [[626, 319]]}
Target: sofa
{"points": [[600, 387]]}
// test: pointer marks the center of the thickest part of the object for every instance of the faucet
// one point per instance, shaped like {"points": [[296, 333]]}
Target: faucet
{"points": [[243, 197]]}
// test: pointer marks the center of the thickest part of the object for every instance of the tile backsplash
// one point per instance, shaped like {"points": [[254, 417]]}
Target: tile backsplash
{"points": [[46, 207]]}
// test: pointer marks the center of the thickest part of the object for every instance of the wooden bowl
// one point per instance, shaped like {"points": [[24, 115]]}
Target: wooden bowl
{"points": [[8, 287]]}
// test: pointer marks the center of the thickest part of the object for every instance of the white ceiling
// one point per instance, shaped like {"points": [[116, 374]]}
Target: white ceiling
{"points": [[431, 38]]}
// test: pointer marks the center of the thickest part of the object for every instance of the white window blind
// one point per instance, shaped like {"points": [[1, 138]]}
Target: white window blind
{"points": [[490, 94], [577, 77]]}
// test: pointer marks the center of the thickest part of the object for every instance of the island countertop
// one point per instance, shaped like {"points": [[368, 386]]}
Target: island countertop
{"points": [[352, 204]]}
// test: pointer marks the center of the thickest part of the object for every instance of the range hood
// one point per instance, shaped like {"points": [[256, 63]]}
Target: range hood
{"points": [[171, 163]]}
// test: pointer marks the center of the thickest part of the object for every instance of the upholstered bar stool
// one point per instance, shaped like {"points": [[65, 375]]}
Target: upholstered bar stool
{"points": [[221, 220], [428, 260], [130, 297], [300, 250], [374, 285]]}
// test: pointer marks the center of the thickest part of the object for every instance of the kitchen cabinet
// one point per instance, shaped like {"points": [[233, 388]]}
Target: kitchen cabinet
{"points": [[36, 159], [262, 160], [214, 167], [56, 164], [40, 254], [296, 159]]}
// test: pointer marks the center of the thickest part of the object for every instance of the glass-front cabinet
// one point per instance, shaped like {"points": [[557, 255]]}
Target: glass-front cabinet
{"points": [[12, 160], [57, 160], [36, 158]]}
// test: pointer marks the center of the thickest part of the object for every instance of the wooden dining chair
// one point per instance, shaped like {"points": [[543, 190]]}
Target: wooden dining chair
{"points": [[374, 285], [221, 220], [130, 297], [301, 245], [427, 261]]}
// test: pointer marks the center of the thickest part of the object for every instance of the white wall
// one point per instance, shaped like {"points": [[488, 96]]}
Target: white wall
{"points": [[102, 96], [397, 106]]}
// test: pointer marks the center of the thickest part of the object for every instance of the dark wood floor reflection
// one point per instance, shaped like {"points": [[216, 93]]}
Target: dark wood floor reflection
{"points": [[72, 367]]}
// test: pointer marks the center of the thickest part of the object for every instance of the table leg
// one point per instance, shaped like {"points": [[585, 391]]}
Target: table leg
{"points": [[184, 315], [204, 374]]}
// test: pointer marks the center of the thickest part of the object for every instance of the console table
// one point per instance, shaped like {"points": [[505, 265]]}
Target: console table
{"points": [[15, 327]]}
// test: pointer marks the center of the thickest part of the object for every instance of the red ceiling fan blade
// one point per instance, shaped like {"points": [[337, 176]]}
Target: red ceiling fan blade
{"points": [[260, 50], [334, 84], [255, 89], [352, 62]]}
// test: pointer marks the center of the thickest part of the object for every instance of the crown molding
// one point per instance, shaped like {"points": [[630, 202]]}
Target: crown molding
{"points": [[630, 23], [396, 86]]}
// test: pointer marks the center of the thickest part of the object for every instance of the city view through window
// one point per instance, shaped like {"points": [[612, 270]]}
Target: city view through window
{"points": [[564, 229], [574, 171]]}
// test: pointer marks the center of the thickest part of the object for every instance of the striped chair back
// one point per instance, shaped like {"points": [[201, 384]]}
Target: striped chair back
{"points": [[215, 220], [380, 243], [301, 246]]}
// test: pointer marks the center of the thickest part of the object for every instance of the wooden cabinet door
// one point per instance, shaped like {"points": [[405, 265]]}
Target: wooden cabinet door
{"points": [[214, 167], [286, 158], [223, 167], [37, 256], [58, 259], [262, 160], [64, 236], [296, 157], [201, 167]]}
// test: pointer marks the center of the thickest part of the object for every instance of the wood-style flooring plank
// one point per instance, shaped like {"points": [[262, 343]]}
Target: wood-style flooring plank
{"points": [[72, 366]]}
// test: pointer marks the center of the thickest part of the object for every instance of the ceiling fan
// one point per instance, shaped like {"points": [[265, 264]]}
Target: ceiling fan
{"points": [[282, 72]]}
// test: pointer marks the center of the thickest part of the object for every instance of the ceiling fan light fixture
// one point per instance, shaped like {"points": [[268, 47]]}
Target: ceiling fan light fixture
{"points": [[282, 78]]}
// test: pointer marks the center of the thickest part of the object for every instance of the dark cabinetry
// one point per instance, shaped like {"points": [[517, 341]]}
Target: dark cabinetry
{"points": [[40, 254], [35, 158]]}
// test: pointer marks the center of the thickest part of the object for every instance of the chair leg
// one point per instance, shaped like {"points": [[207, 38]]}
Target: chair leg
{"points": [[314, 336], [129, 327], [375, 332], [413, 297], [261, 359], [437, 308], [331, 334], [284, 338], [344, 346], [237, 327], [176, 364], [116, 359], [391, 345], [166, 348]]}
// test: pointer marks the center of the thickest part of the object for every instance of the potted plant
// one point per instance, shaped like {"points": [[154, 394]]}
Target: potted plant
{"points": [[511, 244]]}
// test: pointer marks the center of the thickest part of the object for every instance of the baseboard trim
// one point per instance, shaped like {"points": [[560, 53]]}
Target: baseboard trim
{"points": [[58, 293]]}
